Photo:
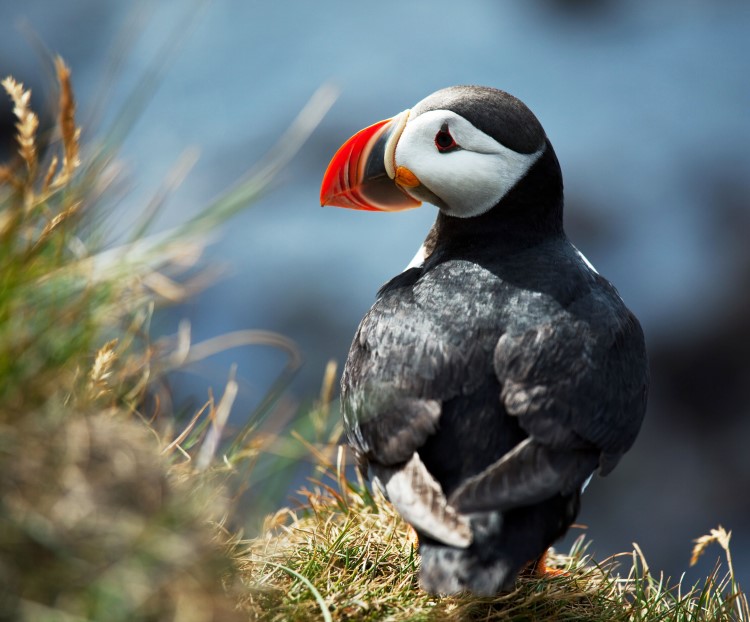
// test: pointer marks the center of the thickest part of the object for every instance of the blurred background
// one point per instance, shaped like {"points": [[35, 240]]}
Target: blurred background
{"points": [[647, 105]]}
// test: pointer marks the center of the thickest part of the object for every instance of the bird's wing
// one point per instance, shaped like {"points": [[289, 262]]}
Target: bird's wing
{"points": [[577, 384], [399, 371]]}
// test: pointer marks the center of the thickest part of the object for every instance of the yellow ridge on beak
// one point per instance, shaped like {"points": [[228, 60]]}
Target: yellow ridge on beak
{"points": [[405, 178]]}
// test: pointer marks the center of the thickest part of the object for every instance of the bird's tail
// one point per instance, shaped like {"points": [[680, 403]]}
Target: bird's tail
{"points": [[502, 545], [481, 569]]}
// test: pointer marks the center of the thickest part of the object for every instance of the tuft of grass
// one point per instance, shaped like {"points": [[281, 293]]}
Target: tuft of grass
{"points": [[112, 507], [354, 552], [345, 554], [93, 524]]}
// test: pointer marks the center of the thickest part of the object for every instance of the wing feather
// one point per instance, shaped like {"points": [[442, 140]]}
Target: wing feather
{"points": [[419, 499]]}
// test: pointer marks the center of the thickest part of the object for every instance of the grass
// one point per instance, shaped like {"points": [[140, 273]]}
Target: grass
{"points": [[114, 507], [347, 554]]}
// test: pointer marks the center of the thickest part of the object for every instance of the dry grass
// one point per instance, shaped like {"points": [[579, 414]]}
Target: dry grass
{"points": [[67, 123], [93, 523], [112, 507], [26, 125], [344, 555]]}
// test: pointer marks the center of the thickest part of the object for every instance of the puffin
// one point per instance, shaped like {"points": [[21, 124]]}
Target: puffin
{"points": [[499, 371]]}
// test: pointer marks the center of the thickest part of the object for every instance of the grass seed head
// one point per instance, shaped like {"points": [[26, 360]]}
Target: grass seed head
{"points": [[719, 535], [27, 124], [67, 121]]}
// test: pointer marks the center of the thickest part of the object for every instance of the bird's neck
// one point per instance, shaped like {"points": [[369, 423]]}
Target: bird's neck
{"points": [[530, 214]]}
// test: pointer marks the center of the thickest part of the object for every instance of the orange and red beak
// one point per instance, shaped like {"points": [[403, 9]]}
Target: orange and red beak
{"points": [[362, 173]]}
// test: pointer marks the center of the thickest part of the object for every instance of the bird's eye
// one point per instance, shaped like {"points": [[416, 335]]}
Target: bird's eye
{"points": [[444, 141]]}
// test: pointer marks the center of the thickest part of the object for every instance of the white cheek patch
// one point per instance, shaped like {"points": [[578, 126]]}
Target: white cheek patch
{"points": [[469, 180]]}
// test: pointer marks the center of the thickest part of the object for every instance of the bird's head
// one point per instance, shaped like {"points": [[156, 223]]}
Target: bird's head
{"points": [[463, 149]]}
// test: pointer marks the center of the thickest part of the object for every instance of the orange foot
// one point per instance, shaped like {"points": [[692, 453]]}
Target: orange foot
{"points": [[539, 568], [411, 536]]}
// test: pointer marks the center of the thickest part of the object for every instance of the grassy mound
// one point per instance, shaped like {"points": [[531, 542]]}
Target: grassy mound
{"points": [[345, 555], [93, 525]]}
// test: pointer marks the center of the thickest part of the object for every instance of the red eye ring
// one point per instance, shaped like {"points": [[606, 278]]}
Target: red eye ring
{"points": [[444, 141]]}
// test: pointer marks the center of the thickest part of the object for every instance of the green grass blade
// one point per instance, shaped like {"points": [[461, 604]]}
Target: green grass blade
{"points": [[316, 594]]}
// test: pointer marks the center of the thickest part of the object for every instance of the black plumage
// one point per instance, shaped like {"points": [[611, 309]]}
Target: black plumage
{"points": [[505, 363]]}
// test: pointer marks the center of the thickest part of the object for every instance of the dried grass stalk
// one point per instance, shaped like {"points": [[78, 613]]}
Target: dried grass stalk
{"points": [[105, 357], [720, 535], [56, 221], [50, 174], [6, 174], [67, 121], [27, 124]]}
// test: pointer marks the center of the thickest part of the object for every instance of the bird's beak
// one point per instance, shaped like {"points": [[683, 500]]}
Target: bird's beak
{"points": [[363, 175]]}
